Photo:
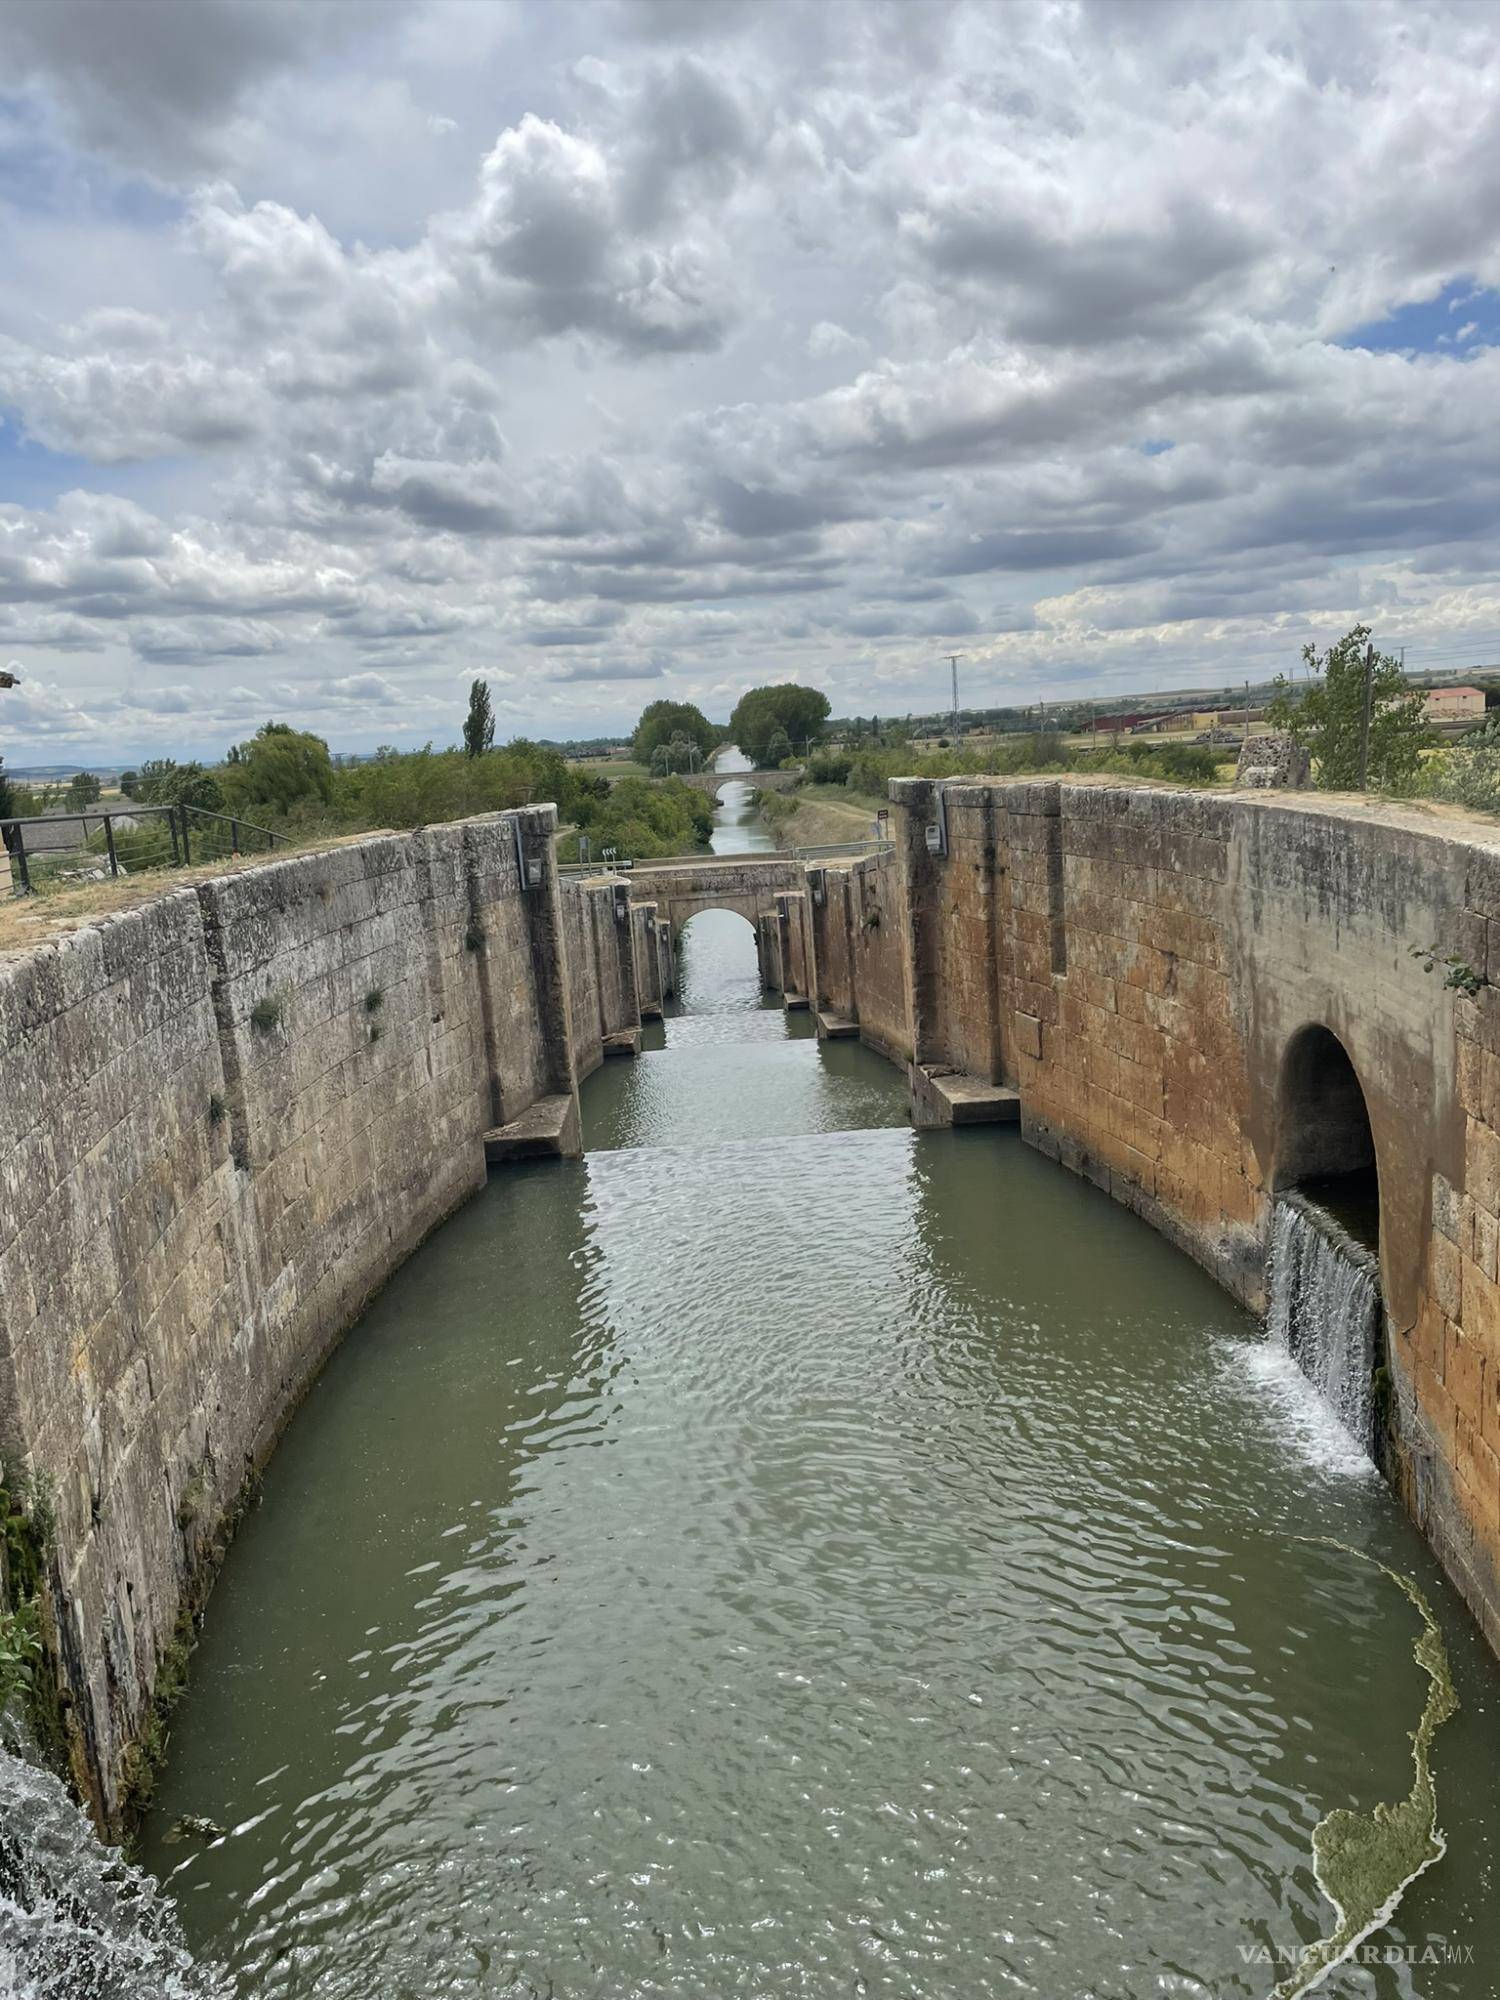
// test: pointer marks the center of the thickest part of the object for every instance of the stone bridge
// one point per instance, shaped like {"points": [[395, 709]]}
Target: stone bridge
{"points": [[762, 781], [748, 886]]}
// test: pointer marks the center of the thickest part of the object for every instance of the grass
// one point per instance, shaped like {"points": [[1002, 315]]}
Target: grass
{"points": [[27, 921], [819, 815]]}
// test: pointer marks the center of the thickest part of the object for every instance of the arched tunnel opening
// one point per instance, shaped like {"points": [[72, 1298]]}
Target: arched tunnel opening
{"points": [[1325, 1148]]}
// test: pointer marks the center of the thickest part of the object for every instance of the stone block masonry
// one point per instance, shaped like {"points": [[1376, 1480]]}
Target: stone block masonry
{"points": [[228, 1116], [1140, 965]]}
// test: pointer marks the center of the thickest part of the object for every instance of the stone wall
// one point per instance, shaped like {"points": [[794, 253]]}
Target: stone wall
{"points": [[795, 946], [831, 922], [585, 1007], [1138, 964], [877, 907], [227, 1117]]}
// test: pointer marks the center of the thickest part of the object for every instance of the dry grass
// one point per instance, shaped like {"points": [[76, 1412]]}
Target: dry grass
{"points": [[823, 814], [27, 921]]}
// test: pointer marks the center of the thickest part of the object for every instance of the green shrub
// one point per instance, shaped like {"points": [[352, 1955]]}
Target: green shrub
{"points": [[829, 767]]}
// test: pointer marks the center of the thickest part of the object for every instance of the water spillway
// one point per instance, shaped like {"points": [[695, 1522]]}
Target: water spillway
{"points": [[1324, 1293], [76, 1921], [784, 1552]]}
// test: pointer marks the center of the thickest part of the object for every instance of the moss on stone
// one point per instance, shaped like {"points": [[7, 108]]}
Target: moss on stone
{"points": [[26, 1533], [1364, 1862]]}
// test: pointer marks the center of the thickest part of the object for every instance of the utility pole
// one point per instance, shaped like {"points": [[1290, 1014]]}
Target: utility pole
{"points": [[1364, 718], [953, 660]]}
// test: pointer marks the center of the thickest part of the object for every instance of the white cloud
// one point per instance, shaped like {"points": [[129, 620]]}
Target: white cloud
{"points": [[757, 340]]}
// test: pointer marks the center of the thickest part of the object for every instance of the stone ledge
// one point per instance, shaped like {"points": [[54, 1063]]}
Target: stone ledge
{"points": [[624, 1042], [794, 1002], [548, 1130], [942, 1096], [836, 1028]]}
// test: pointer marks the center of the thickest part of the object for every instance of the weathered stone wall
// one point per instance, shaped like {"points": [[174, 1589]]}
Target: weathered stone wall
{"points": [[227, 1117], [585, 1004], [878, 907], [831, 921], [794, 936], [648, 966], [1138, 962], [768, 950]]}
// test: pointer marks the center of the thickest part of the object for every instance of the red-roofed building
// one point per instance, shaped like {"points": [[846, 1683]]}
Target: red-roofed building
{"points": [[1460, 704]]}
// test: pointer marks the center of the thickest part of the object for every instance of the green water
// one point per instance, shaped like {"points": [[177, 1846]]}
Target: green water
{"points": [[783, 1554]]}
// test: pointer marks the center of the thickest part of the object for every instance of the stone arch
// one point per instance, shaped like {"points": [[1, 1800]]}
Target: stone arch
{"points": [[1325, 1143], [680, 911]]}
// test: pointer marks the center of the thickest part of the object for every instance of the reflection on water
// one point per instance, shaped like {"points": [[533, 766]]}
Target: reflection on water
{"points": [[785, 1554], [738, 828]]}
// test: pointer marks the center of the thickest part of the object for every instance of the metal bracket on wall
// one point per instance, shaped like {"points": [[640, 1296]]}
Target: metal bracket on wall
{"points": [[937, 826], [528, 868]]}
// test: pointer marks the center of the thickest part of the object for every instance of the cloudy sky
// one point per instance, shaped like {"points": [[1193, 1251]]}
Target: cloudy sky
{"points": [[658, 347]]}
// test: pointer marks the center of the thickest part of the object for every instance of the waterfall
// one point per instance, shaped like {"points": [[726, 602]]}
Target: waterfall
{"points": [[76, 1921], [1325, 1309]]}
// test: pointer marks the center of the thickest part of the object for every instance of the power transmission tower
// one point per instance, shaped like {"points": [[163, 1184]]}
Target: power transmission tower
{"points": [[953, 660]]}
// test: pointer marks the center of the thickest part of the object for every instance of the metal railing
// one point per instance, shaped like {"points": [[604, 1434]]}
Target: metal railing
{"points": [[855, 849], [35, 844]]}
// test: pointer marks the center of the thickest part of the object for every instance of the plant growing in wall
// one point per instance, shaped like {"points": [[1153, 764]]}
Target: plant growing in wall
{"points": [[1459, 976], [265, 1015], [25, 1530]]}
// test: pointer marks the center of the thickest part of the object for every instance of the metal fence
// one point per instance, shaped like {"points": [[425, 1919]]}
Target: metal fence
{"points": [[102, 842], [853, 850]]}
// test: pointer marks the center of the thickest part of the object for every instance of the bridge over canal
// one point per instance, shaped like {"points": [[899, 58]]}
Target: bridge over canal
{"points": [[760, 781], [747, 884]]}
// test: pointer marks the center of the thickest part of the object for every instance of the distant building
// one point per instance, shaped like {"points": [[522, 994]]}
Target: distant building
{"points": [[1458, 704]]}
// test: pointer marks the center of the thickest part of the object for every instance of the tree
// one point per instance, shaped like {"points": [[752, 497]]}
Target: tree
{"points": [[800, 713], [778, 747], [83, 789], [163, 782], [279, 768], [1329, 719], [664, 721], [128, 782], [479, 723]]}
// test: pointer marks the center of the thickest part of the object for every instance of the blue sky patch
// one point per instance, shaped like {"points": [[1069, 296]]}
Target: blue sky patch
{"points": [[1463, 316]]}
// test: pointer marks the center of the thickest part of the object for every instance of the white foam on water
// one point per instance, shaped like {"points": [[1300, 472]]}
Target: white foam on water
{"points": [[77, 1922], [1301, 1414]]}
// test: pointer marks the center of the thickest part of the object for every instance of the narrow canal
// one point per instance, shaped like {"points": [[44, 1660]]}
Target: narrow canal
{"points": [[785, 1554]]}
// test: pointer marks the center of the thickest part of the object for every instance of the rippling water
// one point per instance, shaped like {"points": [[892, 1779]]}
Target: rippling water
{"points": [[783, 1554]]}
